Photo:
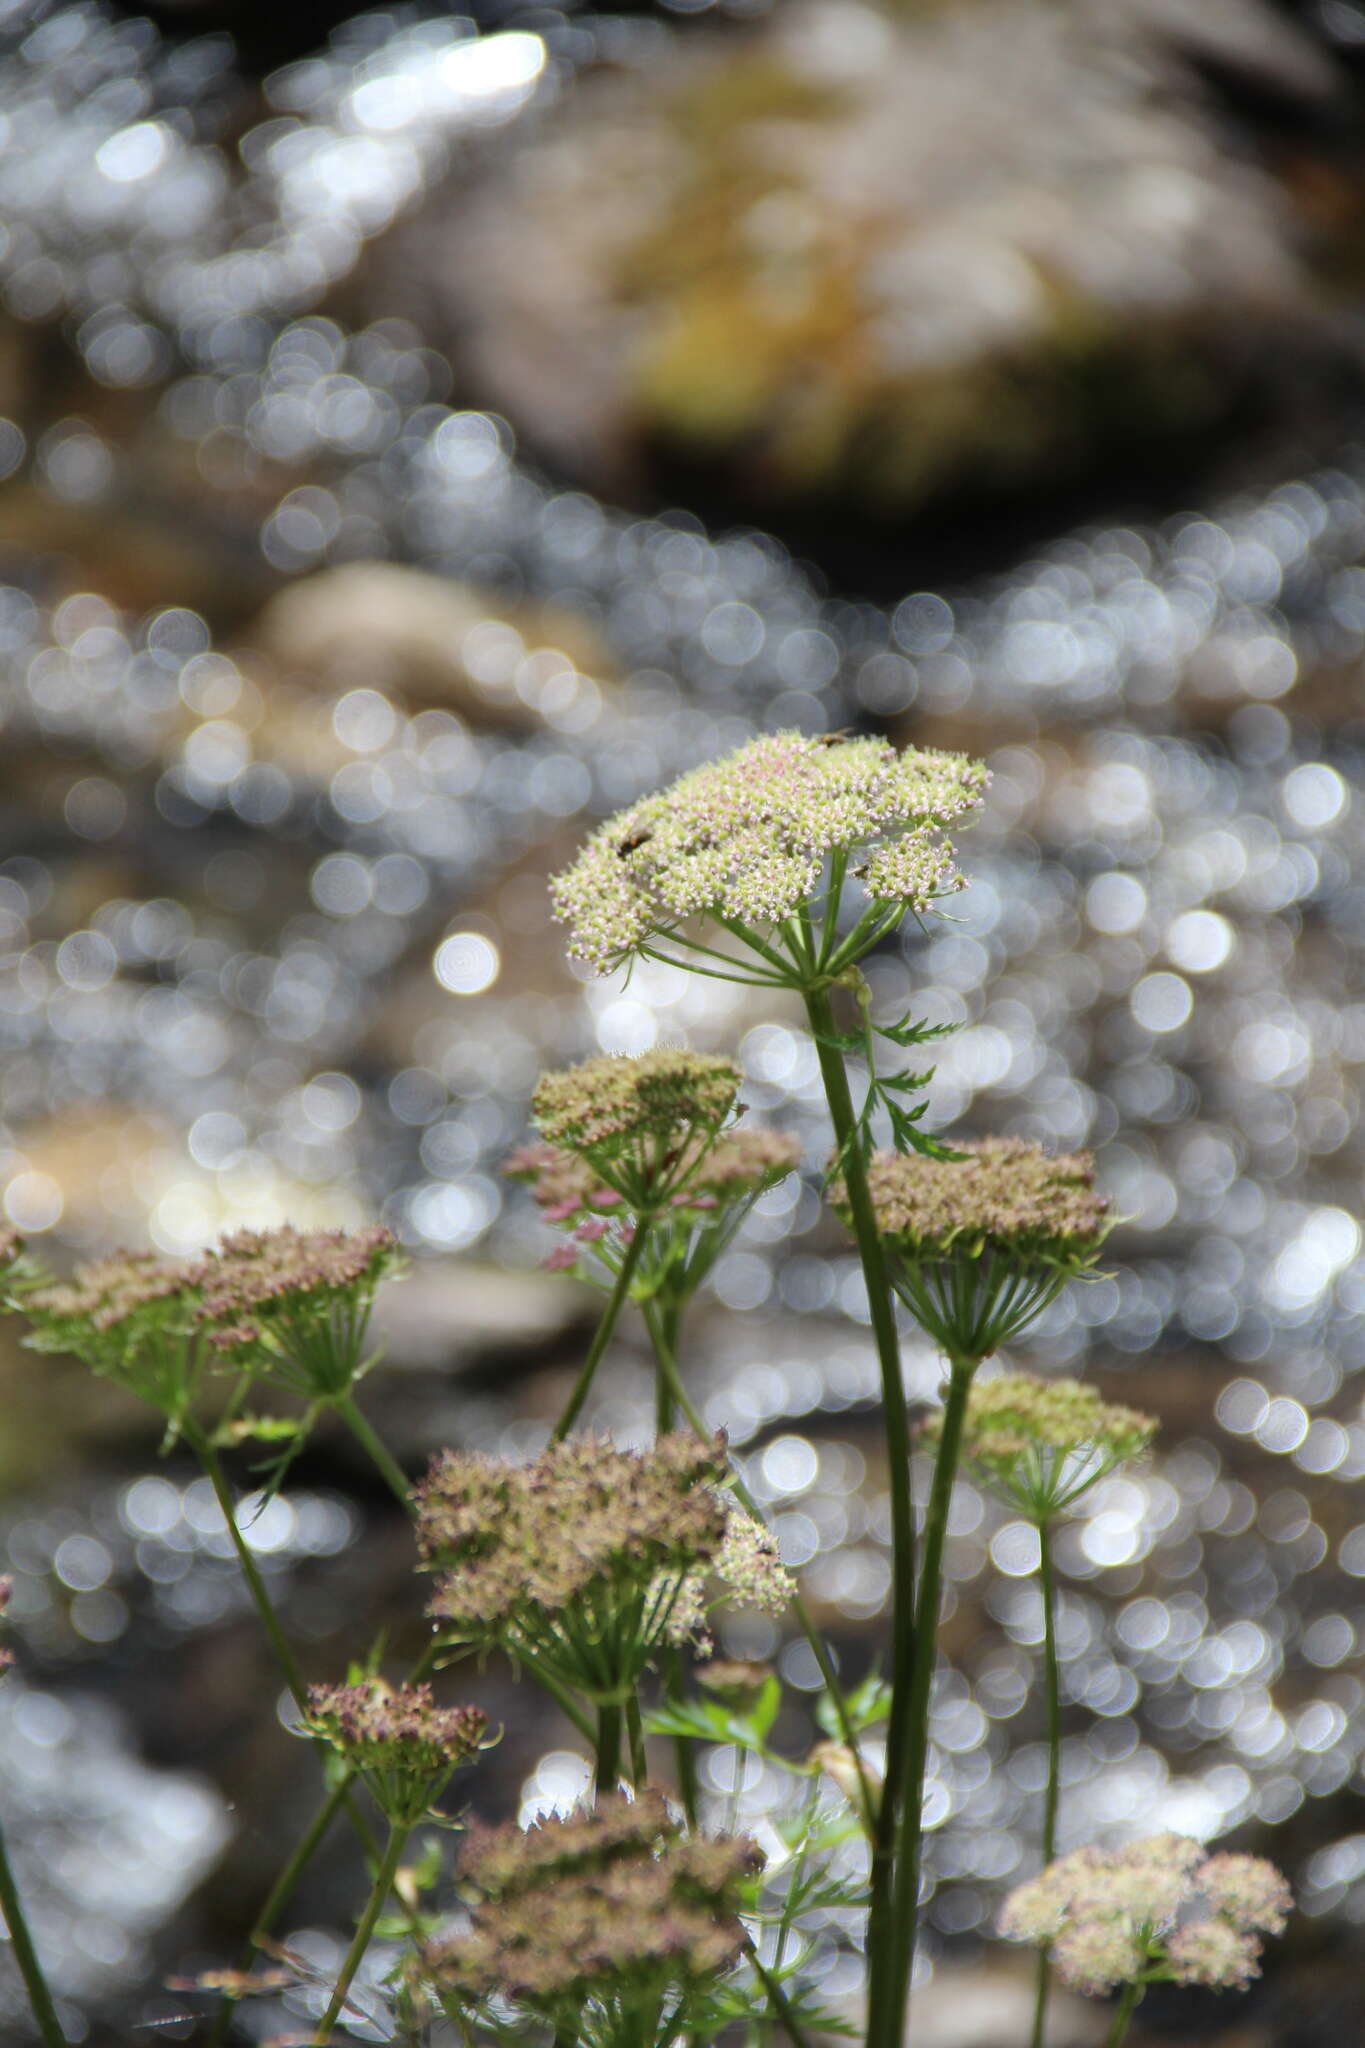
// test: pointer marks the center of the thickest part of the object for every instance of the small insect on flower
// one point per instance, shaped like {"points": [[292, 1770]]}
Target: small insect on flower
{"points": [[744, 840], [1159, 1910]]}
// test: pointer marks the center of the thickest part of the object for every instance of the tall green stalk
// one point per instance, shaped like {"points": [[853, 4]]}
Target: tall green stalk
{"points": [[1052, 1680], [910, 1831], [885, 1998], [1127, 2006], [620, 1294], [26, 1956], [608, 1772], [383, 1884]]}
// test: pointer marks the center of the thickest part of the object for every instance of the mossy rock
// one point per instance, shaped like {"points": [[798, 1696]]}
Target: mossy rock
{"points": [[889, 258]]}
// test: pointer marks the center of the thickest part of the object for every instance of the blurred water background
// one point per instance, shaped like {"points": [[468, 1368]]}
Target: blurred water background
{"points": [[420, 437]]}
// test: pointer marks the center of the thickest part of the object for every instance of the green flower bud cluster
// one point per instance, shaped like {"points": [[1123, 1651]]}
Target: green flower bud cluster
{"points": [[1039, 1444]]}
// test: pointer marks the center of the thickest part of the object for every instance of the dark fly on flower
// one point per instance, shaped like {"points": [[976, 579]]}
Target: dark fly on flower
{"points": [[635, 840]]}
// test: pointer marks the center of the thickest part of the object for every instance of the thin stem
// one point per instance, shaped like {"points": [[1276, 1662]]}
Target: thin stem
{"points": [[906, 1910], [564, 1701], [377, 1450], [884, 2013], [26, 1956], [1052, 1679], [602, 1335], [1127, 2005], [270, 1621], [280, 1891], [779, 2001], [393, 1856], [668, 1367], [608, 1748]]}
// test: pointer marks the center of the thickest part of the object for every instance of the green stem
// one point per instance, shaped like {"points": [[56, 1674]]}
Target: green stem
{"points": [[1127, 2005], [280, 1892], [668, 1367], [779, 2001], [906, 1912], [639, 1763], [1053, 1690], [377, 1450], [662, 1323], [393, 1856], [26, 1956], [270, 1621], [602, 1335], [608, 1749], [884, 2011]]}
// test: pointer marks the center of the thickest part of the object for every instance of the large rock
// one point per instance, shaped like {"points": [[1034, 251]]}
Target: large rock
{"points": [[887, 256], [426, 640]]}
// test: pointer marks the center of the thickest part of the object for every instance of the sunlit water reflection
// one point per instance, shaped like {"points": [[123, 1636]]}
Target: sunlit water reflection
{"points": [[1159, 954]]}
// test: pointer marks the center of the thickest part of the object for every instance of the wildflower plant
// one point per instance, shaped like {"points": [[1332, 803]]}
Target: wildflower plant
{"points": [[610, 1926], [585, 1563], [1160, 1910], [751, 842], [131, 1317], [599, 1571], [1040, 1445], [402, 1745]]}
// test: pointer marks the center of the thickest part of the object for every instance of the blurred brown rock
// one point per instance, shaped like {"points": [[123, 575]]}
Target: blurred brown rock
{"points": [[891, 256], [430, 642]]}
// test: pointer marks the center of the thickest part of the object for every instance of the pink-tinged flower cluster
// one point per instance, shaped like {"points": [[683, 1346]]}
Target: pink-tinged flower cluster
{"points": [[604, 1904], [259, 1277], [1157, 1910], [709, 1177], [380, 1726], [746, 838], [112, 1291]]}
